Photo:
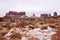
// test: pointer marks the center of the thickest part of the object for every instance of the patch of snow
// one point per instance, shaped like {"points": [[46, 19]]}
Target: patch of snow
{"points": [[45, 34], [24, 38]]}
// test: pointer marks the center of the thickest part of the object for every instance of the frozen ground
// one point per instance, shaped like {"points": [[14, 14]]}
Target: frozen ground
{"points": [[45, 34]]}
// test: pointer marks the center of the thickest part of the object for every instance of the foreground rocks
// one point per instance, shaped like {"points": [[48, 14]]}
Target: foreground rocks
{"points": [[30, 29], [2, 38], [57, 35]]}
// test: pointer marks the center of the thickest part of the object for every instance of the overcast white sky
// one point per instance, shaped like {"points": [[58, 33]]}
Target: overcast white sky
{"points": [[29, 6]]}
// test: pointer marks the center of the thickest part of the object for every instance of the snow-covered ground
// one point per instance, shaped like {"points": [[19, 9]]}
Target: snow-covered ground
{"points": [[45, 34]]}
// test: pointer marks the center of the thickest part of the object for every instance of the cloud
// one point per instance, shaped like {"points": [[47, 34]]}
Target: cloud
{"points": [[28, 5]]}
